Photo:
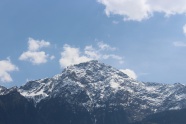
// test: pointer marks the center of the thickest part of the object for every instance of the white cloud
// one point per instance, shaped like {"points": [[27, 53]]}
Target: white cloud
{"points": [[184, 29], [179, 44], [34, 54], [72, 55], [104, 46], [91, 52], [34, 57], [130, 73], [5, 68], [139, 10], [35, 45], [113, 56], [52, 57], [115, 22]]}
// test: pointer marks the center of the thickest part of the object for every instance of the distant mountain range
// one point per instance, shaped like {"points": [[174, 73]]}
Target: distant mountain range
{"points": [[93, 93]]}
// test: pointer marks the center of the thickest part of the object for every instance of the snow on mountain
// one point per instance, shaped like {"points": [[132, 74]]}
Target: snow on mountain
{"points": [[2, 90], [91, 76], [95, 85]]}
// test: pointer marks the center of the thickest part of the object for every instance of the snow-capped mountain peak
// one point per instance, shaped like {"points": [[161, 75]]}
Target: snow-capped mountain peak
{"points": [[92, 74], [94, 85]]}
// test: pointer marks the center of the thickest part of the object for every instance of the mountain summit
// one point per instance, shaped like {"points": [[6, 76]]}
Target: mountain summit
{"points": [[100, 92], [93, 78]]}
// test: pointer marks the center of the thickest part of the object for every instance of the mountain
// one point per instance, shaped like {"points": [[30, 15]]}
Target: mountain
{"points": [[165, 117], [2, 90], [95, 93], [16, 109]]}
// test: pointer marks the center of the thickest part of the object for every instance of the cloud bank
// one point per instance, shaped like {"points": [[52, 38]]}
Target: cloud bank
{"points": [[34, 53], [5, 68], [102, 51], [138, 10]]}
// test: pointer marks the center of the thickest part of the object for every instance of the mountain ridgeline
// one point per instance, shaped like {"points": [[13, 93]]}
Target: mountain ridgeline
{"points": [[93, 93]]}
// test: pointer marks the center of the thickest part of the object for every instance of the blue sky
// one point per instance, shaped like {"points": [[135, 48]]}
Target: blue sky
{"points": [[146, 39]]}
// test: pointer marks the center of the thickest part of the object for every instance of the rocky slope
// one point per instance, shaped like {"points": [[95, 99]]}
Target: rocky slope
{"points": [[98, 90]]}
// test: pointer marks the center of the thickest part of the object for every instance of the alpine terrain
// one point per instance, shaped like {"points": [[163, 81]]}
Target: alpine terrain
{"points": [[92, 93]]}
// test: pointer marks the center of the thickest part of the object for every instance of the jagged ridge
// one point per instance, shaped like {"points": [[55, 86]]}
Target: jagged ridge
{"points": [[94, 85]]}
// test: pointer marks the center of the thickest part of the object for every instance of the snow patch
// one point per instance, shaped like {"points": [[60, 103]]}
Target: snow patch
{"points": [[114, 85]]}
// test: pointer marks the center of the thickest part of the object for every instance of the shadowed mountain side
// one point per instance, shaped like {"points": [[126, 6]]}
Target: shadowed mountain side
{"points": [[166, 117], [16, 109]]}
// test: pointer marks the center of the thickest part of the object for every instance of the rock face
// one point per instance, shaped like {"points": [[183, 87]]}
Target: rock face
{"points": [[95, 93], [16, 109]]}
